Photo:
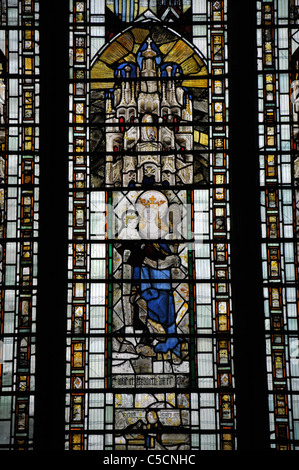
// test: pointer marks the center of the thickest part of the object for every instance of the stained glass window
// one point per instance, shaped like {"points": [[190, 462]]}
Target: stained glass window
{"points": [[19, 198], [148, 231], [277, 84], [149, 306]]}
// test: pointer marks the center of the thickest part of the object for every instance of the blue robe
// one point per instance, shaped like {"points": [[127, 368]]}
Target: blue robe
{"points": [[156, 290]]}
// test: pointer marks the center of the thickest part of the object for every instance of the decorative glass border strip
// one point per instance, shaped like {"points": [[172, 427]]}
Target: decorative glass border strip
{"points": [[19, 187]]}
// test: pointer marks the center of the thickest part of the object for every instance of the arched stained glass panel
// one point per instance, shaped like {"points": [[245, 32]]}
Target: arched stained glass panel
{"points": [[149, 344]]}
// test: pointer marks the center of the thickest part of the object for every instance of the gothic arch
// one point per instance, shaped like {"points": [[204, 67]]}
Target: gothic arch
{"points": [[112, 63], [123, 47]]}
